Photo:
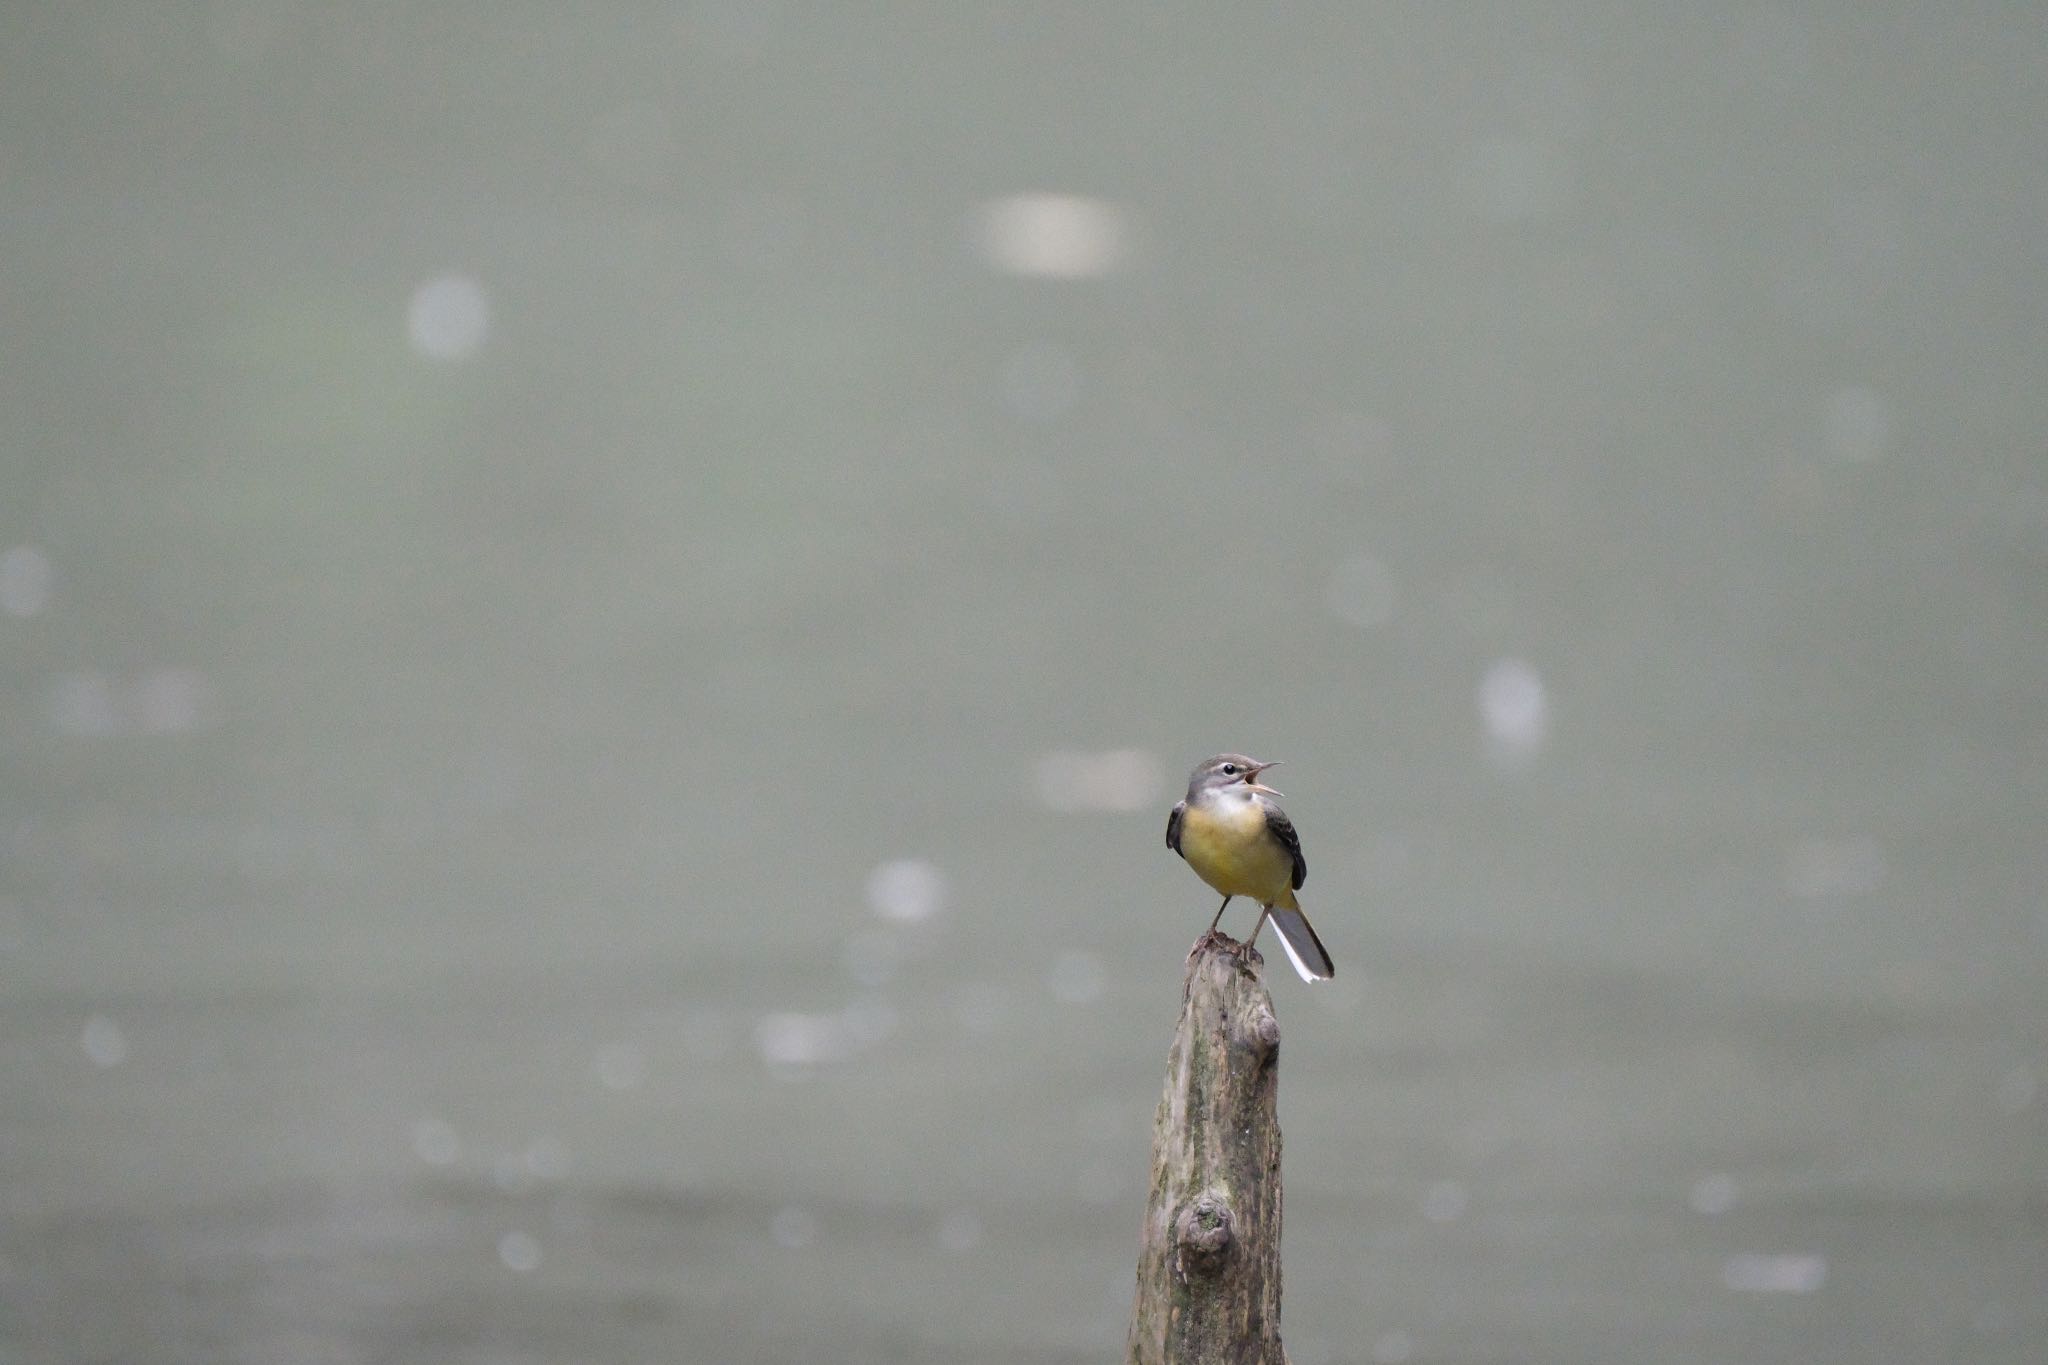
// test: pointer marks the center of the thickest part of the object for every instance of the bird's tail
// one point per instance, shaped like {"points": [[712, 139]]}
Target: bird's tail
{"points": [[1304, 949]]}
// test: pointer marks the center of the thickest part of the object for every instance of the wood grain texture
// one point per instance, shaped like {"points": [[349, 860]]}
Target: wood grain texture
{"points": [[1209, 1270]]}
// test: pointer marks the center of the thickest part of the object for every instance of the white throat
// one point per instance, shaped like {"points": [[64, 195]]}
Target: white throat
{"points": [[1236, 796]]}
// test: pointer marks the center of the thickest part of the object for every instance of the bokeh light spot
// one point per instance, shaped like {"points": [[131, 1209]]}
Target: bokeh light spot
{"points": [[792, 1040], [449, 318], [434, 1142], [1110, 780], [1514, 706], [104, 1043], [1755, 1273], [907, 890], [519, 1251], [1053, 236]]}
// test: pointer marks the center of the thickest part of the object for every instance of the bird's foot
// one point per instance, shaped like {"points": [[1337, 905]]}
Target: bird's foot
{"points": [[1223, 942]]}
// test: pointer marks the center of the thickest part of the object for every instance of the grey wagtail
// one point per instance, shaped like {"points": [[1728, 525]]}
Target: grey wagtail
{"points": [[1242, 844]]}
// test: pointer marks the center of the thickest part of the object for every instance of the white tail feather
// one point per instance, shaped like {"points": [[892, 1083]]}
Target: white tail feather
{"points": [[1304, 949]]}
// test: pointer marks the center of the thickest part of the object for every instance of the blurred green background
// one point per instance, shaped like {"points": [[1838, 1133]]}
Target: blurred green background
{"points": [[601, 606]]}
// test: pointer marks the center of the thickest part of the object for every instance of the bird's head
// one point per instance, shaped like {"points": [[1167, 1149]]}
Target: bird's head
{"points": [[1225, 771]]}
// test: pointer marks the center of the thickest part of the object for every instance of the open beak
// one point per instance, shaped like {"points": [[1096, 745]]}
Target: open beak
{"points": [[1252, 780]]}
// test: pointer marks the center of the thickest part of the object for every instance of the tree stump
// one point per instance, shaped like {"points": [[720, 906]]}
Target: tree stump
{"points": [[1209, 1272]]}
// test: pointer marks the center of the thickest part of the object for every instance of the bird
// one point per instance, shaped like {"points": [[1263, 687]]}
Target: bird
{"points": [[1230, 832]]}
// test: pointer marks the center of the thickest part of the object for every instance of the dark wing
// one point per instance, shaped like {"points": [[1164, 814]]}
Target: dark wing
{"points": [[1282, 828], [1173, 827]]}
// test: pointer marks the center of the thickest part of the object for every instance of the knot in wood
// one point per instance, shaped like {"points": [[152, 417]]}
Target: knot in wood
{"points": [[1203, 1231], [1265, 1030]]}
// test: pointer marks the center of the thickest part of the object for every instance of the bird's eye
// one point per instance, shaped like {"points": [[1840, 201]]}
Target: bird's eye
{"points": [[1230, 770]]}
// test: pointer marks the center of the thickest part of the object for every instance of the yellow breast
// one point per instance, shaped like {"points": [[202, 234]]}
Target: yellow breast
{"points": [[1227, 844]]}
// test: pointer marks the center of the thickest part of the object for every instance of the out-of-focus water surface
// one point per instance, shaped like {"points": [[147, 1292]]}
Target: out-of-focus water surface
{"points": [[600, 608]]}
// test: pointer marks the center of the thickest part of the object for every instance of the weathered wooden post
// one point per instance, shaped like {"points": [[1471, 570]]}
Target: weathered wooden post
{"points": [[1209, 1271]]}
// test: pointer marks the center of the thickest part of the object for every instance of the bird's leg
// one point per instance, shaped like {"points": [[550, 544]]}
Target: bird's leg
{"points": [[1263, 913], [1219, 914]]}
